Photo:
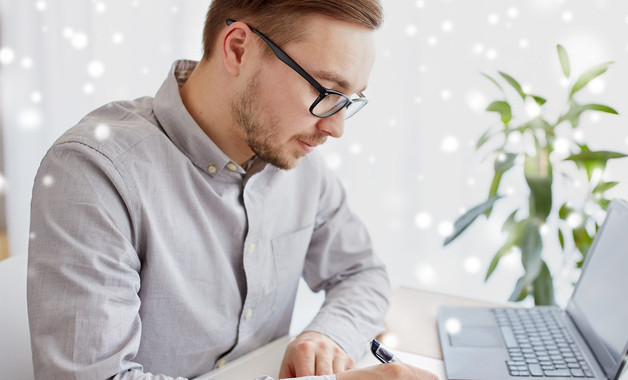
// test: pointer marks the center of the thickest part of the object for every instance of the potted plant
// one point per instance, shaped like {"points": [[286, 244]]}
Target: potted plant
{"points": [[540, 166]]}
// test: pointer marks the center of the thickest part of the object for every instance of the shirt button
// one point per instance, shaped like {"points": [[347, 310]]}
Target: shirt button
{"points": [[232, 166], [221, 363], [211, 169], [251, 248], [248, 314]]}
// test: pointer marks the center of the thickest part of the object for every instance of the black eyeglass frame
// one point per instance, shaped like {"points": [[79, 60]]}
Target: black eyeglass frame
{"points": [[323, 92]]}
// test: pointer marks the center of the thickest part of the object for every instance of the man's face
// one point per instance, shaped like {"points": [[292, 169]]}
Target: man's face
{"points": [[273, 112]]}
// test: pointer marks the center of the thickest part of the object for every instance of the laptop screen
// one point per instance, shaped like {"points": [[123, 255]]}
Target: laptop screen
{"points": [[598, 305]]}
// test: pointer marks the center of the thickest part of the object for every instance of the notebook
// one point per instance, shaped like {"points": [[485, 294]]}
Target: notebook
{"points": [[586, 340]]}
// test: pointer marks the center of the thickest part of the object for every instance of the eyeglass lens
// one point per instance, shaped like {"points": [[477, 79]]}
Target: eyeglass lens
{"points": [[333, 103]]}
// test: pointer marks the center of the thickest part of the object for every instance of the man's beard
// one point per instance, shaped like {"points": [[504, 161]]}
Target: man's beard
{"points": [[257, 127]]}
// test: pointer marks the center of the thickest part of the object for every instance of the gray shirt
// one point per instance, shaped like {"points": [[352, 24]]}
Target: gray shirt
{"points": [[152, 252]]}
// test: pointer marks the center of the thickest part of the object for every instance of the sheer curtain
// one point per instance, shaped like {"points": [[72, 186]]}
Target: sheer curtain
{"points": [[407, 161]]}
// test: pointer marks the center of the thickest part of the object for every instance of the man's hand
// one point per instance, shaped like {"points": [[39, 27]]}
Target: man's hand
{"points": [[390, 371], [311, 354]]}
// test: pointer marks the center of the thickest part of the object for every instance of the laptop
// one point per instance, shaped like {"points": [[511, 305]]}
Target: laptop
{"points": [[586, 340]]}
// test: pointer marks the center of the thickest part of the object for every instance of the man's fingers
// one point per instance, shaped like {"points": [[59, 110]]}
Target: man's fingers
{"points": [[314, 354], [286, 371], [324, 364], [302, 359], [390, 371], [342, 363]]}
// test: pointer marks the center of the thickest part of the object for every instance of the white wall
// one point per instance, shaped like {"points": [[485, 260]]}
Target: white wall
{"points": [[408, 156]]}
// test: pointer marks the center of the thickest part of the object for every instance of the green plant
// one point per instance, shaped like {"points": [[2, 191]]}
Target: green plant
{"points": [[539, 165]]}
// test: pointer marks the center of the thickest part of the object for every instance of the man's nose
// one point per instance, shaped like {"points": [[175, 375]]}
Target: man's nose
{"points": [[333, 125]]}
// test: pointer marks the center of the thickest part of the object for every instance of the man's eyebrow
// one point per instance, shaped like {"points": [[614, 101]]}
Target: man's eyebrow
{"points": [[335, 78]]}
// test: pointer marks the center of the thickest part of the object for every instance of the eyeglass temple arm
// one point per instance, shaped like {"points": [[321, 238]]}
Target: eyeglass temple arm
{"points": [[285, 58]]}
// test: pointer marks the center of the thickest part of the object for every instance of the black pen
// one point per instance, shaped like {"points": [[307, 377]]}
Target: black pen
{"points": [[382, 354]]}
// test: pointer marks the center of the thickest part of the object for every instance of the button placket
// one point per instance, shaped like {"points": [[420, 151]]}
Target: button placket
{"points": [[250, 261], [254, 303]]}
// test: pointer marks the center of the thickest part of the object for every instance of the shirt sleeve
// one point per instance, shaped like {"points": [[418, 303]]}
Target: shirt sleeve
{"points": [[83, 270], [341, 261]]}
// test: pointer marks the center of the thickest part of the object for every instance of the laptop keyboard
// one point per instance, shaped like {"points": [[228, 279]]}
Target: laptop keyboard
{"points": [[539, 345]]}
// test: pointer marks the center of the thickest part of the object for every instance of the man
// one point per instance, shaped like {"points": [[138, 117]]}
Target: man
{"points": [[170, 233]]}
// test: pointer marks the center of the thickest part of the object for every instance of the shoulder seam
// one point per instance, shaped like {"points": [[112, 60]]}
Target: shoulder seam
{"points": [[134, 203]]}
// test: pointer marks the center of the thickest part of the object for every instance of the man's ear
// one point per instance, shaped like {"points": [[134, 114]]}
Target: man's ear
{"points": [[236, 46]]}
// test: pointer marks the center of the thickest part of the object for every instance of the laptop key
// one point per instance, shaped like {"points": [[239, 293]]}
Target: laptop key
{"points": [[509, 337], [557, 373], [515, 363], [577, 372], [535, 370]]}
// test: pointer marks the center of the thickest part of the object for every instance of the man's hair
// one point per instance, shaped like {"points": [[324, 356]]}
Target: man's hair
{"points": [[282, 20]]}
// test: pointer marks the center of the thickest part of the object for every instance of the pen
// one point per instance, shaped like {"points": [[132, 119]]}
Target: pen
{"points": [[382, 354]]}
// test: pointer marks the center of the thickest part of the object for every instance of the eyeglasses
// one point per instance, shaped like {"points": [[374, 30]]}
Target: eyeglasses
{"points": [[328, 101]]}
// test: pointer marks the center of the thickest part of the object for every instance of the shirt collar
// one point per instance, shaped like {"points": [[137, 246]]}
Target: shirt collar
{"points": [[181, 128]]}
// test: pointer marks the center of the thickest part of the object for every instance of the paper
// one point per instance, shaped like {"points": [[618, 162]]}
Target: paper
{"points": [[266, 360]]}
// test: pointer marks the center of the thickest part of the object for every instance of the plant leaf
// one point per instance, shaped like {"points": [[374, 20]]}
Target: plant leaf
{"points": [[588, 76], [561, 239], [501, 166], [514, 84], [505, 162], [564, 60], [598, 107], [503, 251], [494, 81], [465, 220], [572, 115], [593, 160], [521, 290], [576, 110], [484, 138], [513, 229], [604, 186], [603, 203], [543, 287], [531, 246], [539, 100], [595, 155], [510, 224], [582, 240], [503, 108], [564, 211]]}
